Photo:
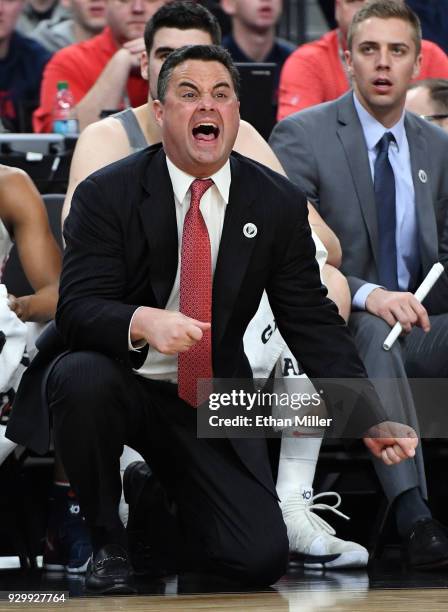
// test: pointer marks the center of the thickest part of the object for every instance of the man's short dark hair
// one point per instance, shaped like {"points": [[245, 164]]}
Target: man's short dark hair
{"points": [[438, 92], [387, 9], [183, 16], [205, 53]]}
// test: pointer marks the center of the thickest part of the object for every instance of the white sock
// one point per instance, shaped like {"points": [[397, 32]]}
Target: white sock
{"points": [[297, 466], [6, 446]]}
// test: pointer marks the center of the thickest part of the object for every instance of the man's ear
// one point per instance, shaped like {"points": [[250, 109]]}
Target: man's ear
{"points": [[158, 111], [144, 65], [417, 66], [348, 61]]}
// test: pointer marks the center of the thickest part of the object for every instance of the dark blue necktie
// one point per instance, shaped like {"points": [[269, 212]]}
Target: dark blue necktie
{"points": [[384, 187]]}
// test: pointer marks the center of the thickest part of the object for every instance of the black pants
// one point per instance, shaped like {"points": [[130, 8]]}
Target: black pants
{"points": [[233, 523]]}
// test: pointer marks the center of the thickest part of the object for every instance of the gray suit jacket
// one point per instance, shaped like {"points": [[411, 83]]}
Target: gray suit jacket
{"points": [[323, 151]]}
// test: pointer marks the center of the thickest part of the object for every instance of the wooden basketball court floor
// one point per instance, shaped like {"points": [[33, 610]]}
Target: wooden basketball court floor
{"points": [[386, 586]]}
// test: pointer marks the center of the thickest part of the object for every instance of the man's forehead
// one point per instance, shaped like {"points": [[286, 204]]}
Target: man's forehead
{"points": [[390, 30], [200, 71], [174, 38]]}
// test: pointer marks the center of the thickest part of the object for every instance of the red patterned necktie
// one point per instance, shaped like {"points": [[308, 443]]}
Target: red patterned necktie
{"points": [[195, 298]]}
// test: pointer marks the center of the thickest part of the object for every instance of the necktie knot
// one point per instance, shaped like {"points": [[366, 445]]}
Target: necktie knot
{"points": [[384, 142], [197, 189]]}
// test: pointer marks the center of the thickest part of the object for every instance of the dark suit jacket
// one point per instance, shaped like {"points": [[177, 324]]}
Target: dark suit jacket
{"points": [[323, 151], [122, 252]]}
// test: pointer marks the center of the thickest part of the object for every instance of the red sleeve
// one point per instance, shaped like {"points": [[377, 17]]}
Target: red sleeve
{"points": [[301, 84], [61, 67], [434, 62]]}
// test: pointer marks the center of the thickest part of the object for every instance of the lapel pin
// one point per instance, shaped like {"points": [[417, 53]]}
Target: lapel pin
{"points": [[250, 230], [422, 176]]}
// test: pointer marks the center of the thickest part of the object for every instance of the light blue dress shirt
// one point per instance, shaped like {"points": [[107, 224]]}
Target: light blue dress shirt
{"points": [[406, 235]]}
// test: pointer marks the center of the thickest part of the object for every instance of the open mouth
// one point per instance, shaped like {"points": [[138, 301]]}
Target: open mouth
{"points": [[382, 83], [207, 132]]}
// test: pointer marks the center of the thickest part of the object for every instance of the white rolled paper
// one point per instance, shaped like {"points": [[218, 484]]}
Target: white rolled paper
{"points": [[428, 283]]}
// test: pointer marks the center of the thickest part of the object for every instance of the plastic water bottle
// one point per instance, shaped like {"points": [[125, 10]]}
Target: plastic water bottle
{"points": [[64, 118]]}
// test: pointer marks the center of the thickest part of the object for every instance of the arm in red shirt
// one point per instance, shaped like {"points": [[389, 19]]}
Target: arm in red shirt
{"points": [[96, 83]]}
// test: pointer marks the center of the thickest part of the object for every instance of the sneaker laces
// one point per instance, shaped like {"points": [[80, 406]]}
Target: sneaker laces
{"points": [[294, 505]]}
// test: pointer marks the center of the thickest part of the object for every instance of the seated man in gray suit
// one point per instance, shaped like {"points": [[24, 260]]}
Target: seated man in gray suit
{"points": [[377, 175]]}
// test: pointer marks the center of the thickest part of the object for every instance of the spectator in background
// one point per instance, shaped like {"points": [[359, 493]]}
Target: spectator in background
{"points": [[88, 17], [429, 99], [433, 15], [35, 11], [103, 73], [253, 34], [317, 72], [22, 61]]}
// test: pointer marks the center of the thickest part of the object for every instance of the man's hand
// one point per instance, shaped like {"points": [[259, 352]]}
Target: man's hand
{"points": [[393, 306], [135, 49], [166, 331], [391, 442], [19, 306]]}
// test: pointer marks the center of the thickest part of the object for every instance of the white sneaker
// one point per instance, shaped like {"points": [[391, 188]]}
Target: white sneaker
{"points": [[312, 540]]}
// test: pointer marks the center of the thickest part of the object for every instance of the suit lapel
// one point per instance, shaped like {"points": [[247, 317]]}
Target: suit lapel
{"points": [[421, 177], [352, 138], [235, 250], [158, 215]]}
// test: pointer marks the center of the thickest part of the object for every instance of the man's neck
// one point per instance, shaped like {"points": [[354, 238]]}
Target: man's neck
{"points": [[342, 39], [81, 33], [387, 116], [256, 45]]}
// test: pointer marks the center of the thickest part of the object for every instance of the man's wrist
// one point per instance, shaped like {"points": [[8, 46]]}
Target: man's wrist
{"points": [[359, 301], [136, 336], [123, 57], [371, 296]]}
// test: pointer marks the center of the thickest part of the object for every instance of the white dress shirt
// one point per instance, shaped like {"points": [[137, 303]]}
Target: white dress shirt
{"points": [[213, 206], [406, 233]]}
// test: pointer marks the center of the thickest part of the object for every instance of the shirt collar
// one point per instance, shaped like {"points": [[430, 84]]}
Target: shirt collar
{"points": [[374, 130], [181, 181]]}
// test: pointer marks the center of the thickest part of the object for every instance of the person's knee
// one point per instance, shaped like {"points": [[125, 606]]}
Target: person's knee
{"points": [[78, 377]]}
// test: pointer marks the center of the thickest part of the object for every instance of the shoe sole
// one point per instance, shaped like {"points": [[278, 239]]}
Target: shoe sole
{"points": [[347, 560], [115, 589]]}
